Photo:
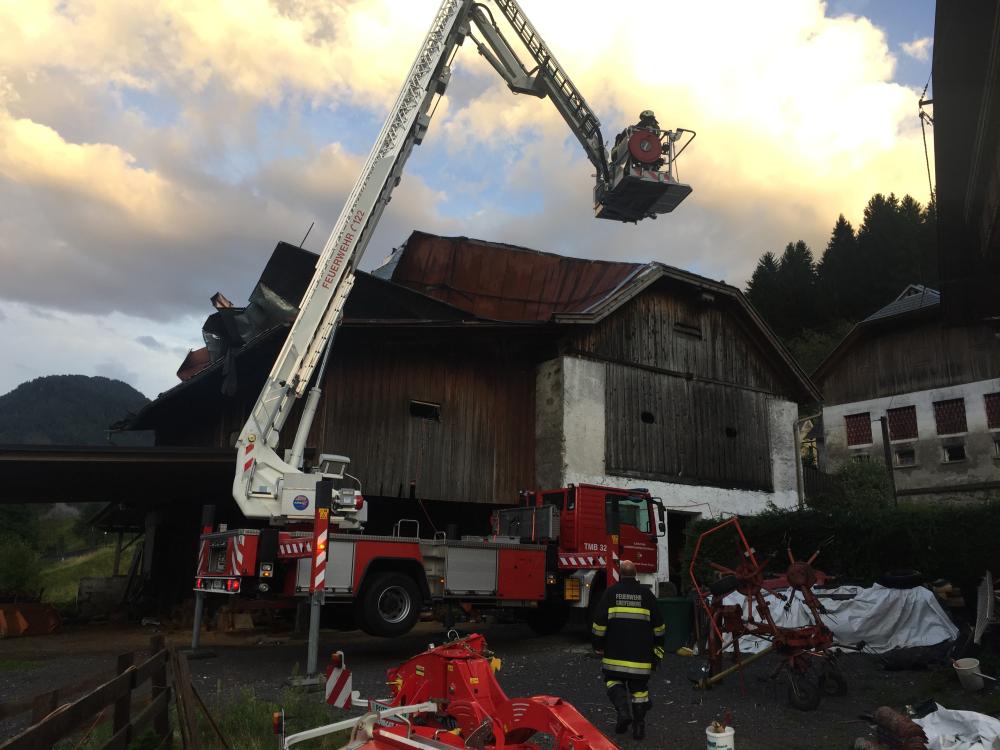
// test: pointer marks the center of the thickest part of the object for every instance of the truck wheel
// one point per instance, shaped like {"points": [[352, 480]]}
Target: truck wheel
{"points": [[390, 605], [549, 618]]}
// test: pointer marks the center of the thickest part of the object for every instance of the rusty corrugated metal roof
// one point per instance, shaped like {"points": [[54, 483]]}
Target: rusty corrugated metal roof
{"points": [[504, 282]]}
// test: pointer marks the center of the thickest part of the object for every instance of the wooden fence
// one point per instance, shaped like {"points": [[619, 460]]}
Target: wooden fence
{"points": [[53, 720]]}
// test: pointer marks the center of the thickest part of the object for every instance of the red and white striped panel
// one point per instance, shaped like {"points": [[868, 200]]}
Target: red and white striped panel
{"points": [[202, 557], [248, 457], [582, 561], [236, 555], [300, 548], [615, 574], [319, 562], [338, 682]]}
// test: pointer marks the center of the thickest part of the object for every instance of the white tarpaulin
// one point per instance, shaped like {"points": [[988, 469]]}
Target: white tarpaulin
{"points": [[960, 730], [884, 619]]}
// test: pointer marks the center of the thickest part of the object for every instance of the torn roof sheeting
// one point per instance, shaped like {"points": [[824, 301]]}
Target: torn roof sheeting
{"points": [[514, 284]]}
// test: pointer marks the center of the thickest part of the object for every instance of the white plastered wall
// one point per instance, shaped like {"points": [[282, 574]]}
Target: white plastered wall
{"points": [[570, 428]]}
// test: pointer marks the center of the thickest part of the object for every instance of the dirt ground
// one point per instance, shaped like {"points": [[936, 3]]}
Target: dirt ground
{"points": [[556, 665]]}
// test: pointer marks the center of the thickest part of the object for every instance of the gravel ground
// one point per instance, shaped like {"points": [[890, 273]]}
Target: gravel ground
{"points": [[556, 665]]}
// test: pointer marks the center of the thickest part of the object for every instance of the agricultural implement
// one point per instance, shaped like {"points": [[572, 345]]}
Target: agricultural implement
{"points": [[449, 697], [806, 660]]}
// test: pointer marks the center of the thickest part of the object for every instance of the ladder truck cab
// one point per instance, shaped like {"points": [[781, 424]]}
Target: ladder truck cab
{"points": [[554, 552], [281, 494]]}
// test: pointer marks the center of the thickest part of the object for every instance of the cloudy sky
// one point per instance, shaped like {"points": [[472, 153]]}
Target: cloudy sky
{"points": [[152, 153]]}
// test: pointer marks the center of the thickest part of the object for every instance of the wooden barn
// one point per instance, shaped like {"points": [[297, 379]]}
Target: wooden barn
{"points": [[466, 371]]}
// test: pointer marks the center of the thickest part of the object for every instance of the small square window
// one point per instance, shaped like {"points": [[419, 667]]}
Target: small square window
{"points": [[950, 416], [861, 458], [902, 423], [859, 429], [992, 410], [425, 410], [952, 453], [688, 329], [906, 457]]}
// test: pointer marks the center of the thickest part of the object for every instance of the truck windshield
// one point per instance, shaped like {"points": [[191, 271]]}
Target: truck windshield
{"points": [[633, 511]]}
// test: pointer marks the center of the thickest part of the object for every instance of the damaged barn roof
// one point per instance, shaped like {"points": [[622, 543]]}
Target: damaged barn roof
{"points": [[433, 281], [504, 282]]}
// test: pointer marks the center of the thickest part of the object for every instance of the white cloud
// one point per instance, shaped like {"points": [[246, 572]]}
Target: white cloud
{"points": [[919, 49], [151, 154]]}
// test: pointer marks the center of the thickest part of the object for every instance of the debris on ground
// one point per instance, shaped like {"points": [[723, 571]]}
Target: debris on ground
{"points": [[949, 729]]}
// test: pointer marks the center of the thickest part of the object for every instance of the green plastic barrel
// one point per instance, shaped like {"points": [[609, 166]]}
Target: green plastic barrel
{"points": [[678, 613]]}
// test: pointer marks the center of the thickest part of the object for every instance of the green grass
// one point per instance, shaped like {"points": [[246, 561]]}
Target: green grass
{"points": [[61, 578], [18, 665]]}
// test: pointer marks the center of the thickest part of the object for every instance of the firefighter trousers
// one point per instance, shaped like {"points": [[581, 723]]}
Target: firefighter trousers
{"points": [[629, 695]]}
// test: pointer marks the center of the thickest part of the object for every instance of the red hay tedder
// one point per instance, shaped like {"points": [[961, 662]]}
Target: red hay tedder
{"points": [[807, 661]]}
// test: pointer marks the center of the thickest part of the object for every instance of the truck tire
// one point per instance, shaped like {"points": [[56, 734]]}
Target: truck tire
{"points": [[549, 618], [390, 605]]}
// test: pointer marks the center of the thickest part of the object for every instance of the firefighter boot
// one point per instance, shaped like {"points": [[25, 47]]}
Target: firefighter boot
{"points": [[618, 694], [639, 723]]}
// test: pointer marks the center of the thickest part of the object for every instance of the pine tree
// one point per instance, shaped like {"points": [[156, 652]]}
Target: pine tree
{"points": [[836, 272], [796, 277], [762, 289]]}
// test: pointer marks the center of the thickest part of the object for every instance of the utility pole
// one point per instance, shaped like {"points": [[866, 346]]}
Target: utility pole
{"points": [[889, 467]]}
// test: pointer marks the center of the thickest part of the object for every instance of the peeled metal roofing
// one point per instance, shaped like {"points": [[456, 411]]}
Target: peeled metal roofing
{"points": [[504, 282], [914, 297]]}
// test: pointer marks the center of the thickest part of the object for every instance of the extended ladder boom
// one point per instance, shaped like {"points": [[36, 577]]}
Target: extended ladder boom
{"points": [[269, 486]]}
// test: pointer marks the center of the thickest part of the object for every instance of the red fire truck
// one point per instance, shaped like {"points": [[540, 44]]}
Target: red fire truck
{"points": [[554, 552], [545, 556]]}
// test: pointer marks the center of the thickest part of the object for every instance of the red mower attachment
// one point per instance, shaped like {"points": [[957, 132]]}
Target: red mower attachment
{"points": [[448, 697]]}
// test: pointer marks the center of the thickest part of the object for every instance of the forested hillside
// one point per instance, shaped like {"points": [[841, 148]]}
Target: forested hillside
{"points": [[812, 302], [68, 410]]}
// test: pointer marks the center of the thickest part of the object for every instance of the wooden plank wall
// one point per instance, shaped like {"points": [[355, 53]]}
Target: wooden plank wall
{"points": [[481, 450], [675, 332], [917, 357], [702, 433]]}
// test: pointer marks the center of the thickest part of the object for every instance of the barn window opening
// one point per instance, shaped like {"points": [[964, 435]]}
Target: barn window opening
{"points": [[952, 453], [950, 416], [425, 410], [732, 432], [906, 457], [647, 417], [688, 329]]}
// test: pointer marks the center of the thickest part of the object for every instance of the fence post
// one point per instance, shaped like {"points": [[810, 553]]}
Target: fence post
{"points": [[123, 706], [158, 685]]}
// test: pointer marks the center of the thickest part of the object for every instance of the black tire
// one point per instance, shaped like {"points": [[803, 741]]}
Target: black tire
{"points": [[389, 605], [833, 681], [804, 691], [901, 579], [548, 618]]}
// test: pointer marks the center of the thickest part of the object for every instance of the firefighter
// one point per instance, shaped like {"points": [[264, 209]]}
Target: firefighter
{"points": [[628, 635]]}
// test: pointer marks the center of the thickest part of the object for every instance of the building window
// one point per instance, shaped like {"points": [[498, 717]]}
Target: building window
{"points": [[992, 410], [425, 410], [859, 429], [950, 416], [902, 423], [906, 457], [996, 449], [647, 417], [952, 453], [861, 458], [688, 329]]}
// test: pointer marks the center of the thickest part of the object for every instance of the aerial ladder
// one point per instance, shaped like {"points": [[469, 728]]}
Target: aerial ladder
{"points": [[636, 180]]}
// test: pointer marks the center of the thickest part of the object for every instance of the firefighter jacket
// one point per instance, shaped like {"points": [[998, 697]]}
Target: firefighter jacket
{"points": [[629, 629]]}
